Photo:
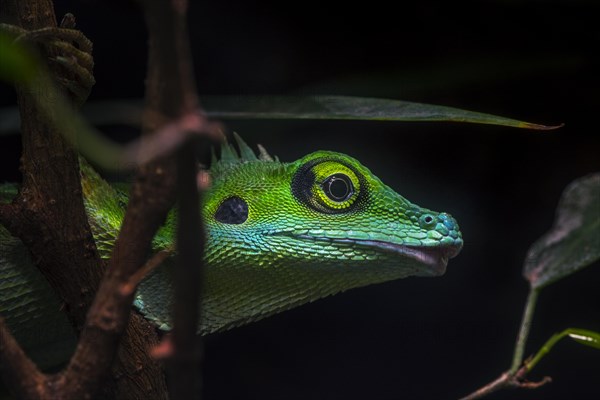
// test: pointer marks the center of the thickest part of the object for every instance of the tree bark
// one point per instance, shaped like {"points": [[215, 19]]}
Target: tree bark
{"points": [[49, 217]]}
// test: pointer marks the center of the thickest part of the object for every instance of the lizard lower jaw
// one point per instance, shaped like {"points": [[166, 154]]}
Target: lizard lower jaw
{"points": [[433, 258], [428, 260]]}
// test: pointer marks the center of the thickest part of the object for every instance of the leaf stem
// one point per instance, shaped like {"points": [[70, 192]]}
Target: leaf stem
{"points": [[582, 336], [524, 331]]}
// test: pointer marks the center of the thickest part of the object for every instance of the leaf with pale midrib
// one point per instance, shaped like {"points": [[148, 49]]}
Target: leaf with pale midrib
{"points": [[347, 108], [586, 337]]}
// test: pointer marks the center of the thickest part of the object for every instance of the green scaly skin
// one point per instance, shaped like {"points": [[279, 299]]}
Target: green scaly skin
{"points": [[312, 228]]}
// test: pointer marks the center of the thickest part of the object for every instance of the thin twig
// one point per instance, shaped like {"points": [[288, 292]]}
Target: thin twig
{"points": [[170, 137], [507, 380], [20, 374], [501, 382], [134, 280], [515, 376], [164, 350]]}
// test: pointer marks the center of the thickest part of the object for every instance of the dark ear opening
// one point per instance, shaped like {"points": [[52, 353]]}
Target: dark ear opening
{"points": [[233, 210]]}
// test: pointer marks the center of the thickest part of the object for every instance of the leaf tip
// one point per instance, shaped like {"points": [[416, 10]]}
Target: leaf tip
{"points": [[539, 127]]}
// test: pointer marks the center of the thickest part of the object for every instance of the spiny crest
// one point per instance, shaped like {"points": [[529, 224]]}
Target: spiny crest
{"points": [[230, 158]]}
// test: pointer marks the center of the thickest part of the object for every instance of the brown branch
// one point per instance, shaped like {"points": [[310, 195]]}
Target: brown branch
{"points": [[152, 196], [185, 363], [506, 381], [499, 383], [170, 55], [65, 252]]}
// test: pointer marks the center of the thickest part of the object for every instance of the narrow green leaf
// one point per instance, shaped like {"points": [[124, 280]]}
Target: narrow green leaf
{"points": [[16, 63], [583, 336], [129, 112], [347, 108], [574, 240]]}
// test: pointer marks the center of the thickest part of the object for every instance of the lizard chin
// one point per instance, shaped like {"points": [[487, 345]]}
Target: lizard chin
{"points": [[434, 259]]}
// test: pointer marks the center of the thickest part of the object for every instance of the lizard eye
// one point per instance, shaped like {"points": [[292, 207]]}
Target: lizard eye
{"points": [[330, 186], [338, 187]]}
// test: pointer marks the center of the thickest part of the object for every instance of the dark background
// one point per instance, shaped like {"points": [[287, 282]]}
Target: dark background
{"points": [[413, 338]]}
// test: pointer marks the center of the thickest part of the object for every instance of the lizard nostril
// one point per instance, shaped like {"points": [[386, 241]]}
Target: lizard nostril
{"points": [[427, 219]]}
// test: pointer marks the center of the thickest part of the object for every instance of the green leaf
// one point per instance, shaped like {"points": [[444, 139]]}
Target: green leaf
{"points": [[583, 336], [347, 108], [574, 240], [129, 112], [16, 63]]}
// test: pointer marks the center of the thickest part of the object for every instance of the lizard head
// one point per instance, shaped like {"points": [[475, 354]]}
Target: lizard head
{"points": [[283, 234], [326, 209]]}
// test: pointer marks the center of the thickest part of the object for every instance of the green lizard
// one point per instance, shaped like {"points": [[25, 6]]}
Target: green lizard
{"points": [[278, 235]]}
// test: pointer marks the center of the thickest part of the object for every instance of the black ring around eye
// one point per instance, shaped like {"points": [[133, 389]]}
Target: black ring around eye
{"points": [[338, 187], [304, 181]]}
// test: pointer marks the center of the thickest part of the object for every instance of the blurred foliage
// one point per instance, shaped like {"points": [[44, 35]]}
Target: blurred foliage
{"points": [[16, 63]]}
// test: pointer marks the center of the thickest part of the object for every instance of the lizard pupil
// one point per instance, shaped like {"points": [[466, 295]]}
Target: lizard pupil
{"points": [[338, 187], [233, 210]]}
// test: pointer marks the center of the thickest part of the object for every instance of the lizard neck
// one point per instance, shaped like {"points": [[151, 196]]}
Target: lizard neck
{"points": [[236, 292]]}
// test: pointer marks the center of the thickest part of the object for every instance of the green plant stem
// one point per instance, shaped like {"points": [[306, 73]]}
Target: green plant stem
{"points": [[524, 331], [582, 336], [545, 349]]}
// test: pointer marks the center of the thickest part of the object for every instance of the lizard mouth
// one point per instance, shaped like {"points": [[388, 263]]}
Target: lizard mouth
{"points": [[434, 258]]}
